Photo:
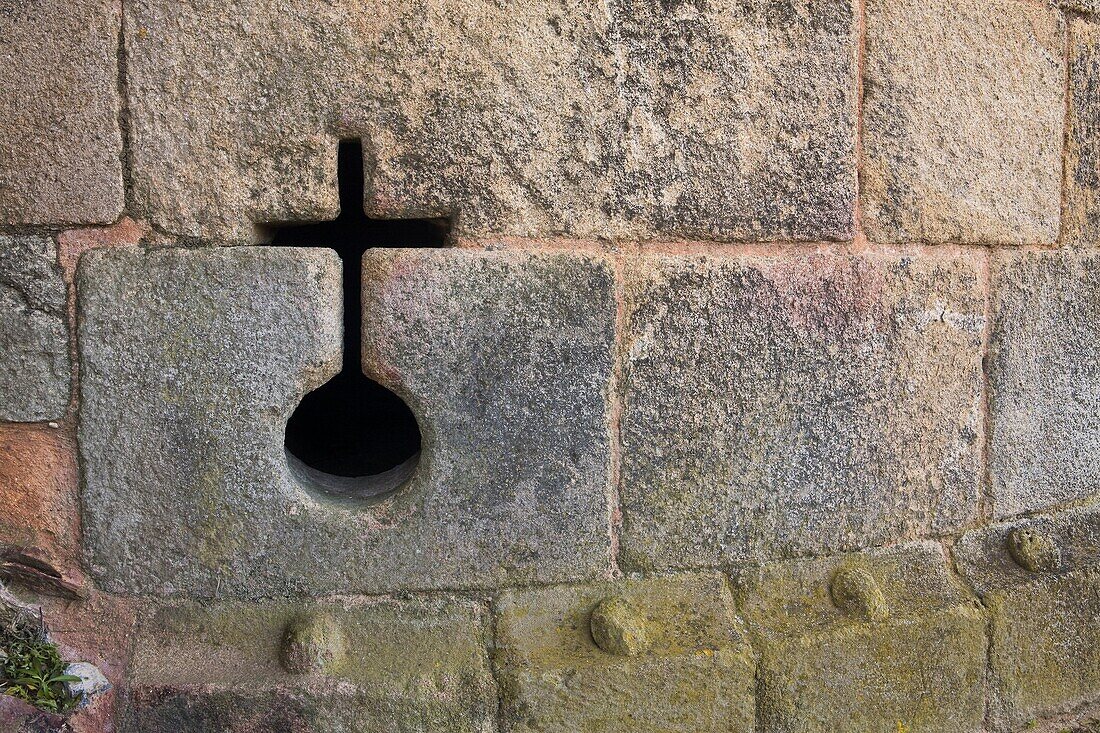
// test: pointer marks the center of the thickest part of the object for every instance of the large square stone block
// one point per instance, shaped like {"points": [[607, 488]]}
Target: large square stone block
{"points": [[632, 118], [1044, 378], [192, 361], [406, 667], [796, 405], [964, 102], [35, 369]]}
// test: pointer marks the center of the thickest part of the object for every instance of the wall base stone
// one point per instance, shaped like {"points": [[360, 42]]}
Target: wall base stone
{"points": [[691, 670], [402, 666], [919, 664], [1046, 644]]}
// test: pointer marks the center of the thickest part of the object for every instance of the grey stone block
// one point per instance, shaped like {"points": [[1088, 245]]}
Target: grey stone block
{"points": [[688, 668], [1081, 217], [918, 664], [60, 145], [797, 405], [1044, 380], [1045, 652], [192, 360], [963, 117], [633, 118], [400, 666], [35, 368]]}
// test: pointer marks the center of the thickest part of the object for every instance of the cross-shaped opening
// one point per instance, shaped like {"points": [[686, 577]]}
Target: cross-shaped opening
{"points": [[352, 437]]}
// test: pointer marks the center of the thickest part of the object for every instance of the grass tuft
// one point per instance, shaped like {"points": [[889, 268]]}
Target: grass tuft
{"points": [[31, 667]]}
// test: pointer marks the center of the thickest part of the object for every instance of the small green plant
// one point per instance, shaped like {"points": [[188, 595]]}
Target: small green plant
{"points": [[31, 667]]}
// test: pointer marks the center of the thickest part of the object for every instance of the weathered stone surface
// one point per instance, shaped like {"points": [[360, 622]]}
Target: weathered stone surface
{"points": [[922, 668], [98, 630], [1087, 7], [1044, 379], [1081, 217], [60, 145], [963, 116], [40, 496], [778, 406], [695, 675], [17, 716], [34, 335], [738, 117], [1046, 643], [728, 119], [504, 357], [72, 243], [410, 666]]}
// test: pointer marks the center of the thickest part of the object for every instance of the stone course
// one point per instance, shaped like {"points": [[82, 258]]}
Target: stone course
{"points": [[505, 358], [809, 404], [407, 666], [1045, 643], [917, 665], [633, 118], [963, 114], [693, 671], [35, 370], [1044, 380], [60, 144]]}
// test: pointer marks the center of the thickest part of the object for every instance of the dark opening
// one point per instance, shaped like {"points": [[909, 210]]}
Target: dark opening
{"points": [[352, 436]]}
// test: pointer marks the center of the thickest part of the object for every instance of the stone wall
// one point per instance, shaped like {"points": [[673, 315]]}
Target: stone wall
{"points": [[758, 382]]}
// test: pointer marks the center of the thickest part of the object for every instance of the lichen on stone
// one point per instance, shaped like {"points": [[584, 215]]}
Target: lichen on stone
{"points": [[1033, 550], [855, 592], [619, 628], [313, 643]]}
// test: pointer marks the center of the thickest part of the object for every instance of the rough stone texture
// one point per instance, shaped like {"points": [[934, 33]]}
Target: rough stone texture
{"points": [[17, 716], [39, 493], [505, 358], [34, 336], [778, 406], [1087, 7], [696, 676], [1081, 217], [821, 669], [963, 117], [1046, 643], [98, 630], [60, 145], [632, 118], [72, 243], [1044, 380], [410, 667]]}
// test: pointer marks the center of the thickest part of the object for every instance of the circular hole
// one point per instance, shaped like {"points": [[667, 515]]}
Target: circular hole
{"points": [[353, 438]]}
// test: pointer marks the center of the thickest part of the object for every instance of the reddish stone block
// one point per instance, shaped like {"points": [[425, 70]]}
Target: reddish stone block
{"points": [[97, 630], [39, 490], [75, 242]]}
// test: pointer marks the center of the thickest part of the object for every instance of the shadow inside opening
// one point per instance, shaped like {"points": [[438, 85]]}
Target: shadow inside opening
{"points": [[351, 437]]}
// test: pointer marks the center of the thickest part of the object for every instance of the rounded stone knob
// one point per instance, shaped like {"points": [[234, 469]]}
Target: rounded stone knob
{"points": [[855, 592], [312, 643], [1033, 550], [618, 628]]}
